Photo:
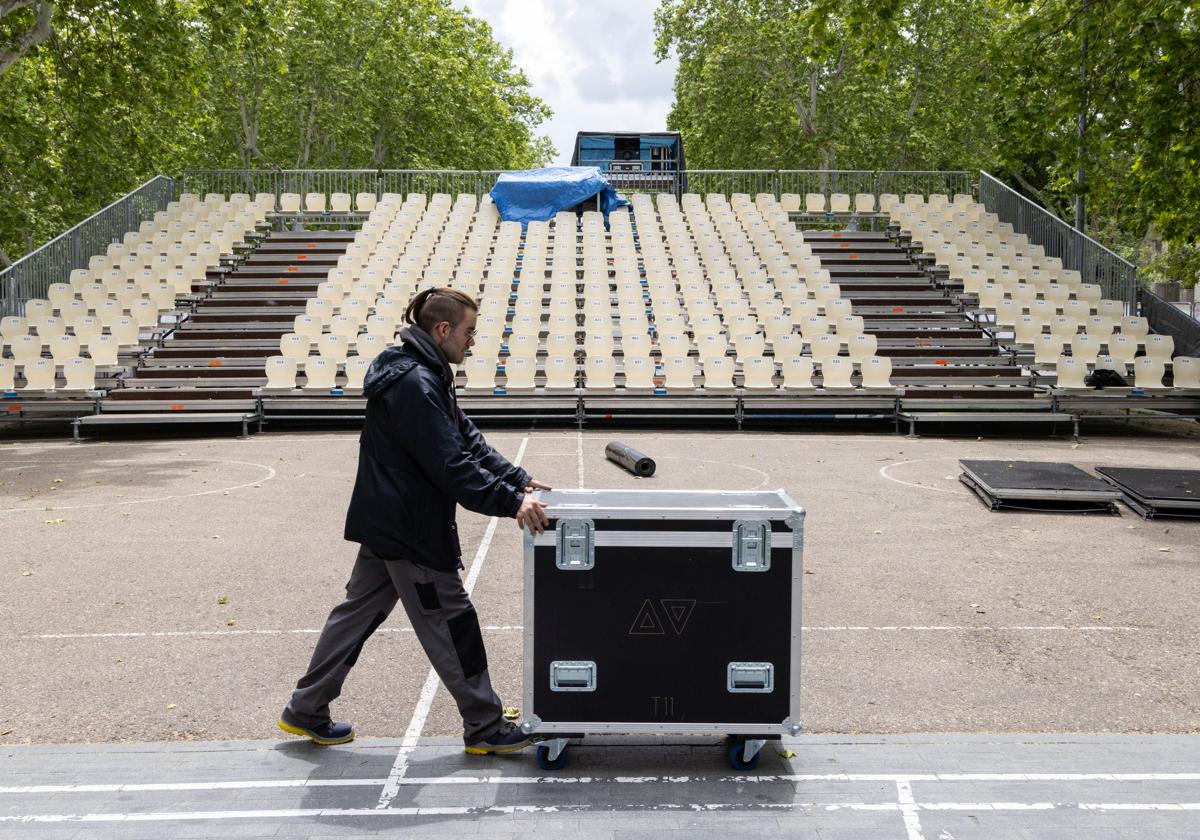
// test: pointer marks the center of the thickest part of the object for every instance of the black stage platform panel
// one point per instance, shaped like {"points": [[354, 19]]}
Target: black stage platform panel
{"points": [[1152, 493], [1038, 486]]}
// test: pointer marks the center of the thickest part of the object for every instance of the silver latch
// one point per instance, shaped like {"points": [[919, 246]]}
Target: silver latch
{"points": [[751, 545], [751, 677], [575, 539], [572, 676]]}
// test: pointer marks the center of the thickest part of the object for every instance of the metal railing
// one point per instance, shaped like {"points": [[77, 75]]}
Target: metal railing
{"points": [[1117, 277], [455, 181], [31, 276], [1169, 319]]}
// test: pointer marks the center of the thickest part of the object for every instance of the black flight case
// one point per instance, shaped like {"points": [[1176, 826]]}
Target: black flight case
{"points": [[664, 612]]}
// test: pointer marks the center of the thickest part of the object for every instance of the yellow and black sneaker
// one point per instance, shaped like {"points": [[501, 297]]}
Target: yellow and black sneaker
{"points": [[326, 734], [507, 739]]}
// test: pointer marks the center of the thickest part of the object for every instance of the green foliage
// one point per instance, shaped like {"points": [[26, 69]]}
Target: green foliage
{"points": [[126, 89], [993, 84], [1179, 264]]}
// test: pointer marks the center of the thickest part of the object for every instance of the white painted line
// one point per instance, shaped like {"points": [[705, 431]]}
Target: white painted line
{"points": [[423, 781], [495, 628], [908, 810], [477, 811], [883, 471], [579, 459], [270, 474], [504, 628], [412, 734]]}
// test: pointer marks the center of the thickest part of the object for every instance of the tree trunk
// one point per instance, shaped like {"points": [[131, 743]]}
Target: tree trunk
{"points": [[35, 35]]}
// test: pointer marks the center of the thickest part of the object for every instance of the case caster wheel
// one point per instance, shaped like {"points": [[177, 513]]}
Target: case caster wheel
{"points": [[551, 756], [738, 759]]}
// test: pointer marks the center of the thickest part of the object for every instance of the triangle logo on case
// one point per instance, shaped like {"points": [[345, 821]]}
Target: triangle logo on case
{"points": [[678, 611], [647, 622]]}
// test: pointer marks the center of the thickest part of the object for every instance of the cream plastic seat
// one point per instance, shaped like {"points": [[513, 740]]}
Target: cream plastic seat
{"points": [[813, 327], [600, 372], [346, 327], [104, 350], [79, 373], [835, 373], [1123, 348], [356, 371], [281, 373], [481, 373], [64, 348], [365, 202], [25, 348], [1160, 347], [289, 203], [1135, 326], [320, 309], [308, 326], [72, 311], [1106, 362], [145, 313], [1027, 329], [368, 346], [1046, 349], [8, 374], [87, 328], [718, 375], [1085, 348], [320, 373], [125, 331], [877, 373], [519, 373], [1148, 373], [335, 347], [639, 372], [59, 294], [790, 202], [560, 372], [849, 326], [1071, 371], [797, 373], [862, 346], [680, 372], [864, 203], [314, 202], [339, 203], [382, 326], [37, 309], [39, 374], [758, 373], [1187, 372], [295, 346], [12, 326], [825, 347], [814, 203]]}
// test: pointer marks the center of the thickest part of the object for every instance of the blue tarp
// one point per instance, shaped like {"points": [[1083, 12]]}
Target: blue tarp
{"points": [[535, 195]]}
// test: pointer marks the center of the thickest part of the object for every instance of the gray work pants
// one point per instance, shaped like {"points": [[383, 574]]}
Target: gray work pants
{"points": [[445, 623]]}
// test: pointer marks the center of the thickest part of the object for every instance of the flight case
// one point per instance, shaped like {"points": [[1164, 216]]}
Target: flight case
{"points": [[665, 612]]}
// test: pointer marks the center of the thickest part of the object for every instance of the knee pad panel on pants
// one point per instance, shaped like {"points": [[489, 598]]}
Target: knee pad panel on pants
{"points": [[468, 643], [427, 594], [354, 654]]}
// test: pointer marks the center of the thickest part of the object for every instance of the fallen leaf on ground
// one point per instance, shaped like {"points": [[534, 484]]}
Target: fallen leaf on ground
{"points": [[171, 705], [55, 521], [511, 712], [231, 622], [26, 574], [1164, 549], [6, 732], [223, 599], [786, 754]]}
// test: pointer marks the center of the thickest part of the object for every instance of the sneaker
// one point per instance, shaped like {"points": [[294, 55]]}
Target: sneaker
{"points": [[508, 738], [326, 734]]}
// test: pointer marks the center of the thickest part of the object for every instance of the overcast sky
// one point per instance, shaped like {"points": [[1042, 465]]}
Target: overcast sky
{"points": [[592, 61]]}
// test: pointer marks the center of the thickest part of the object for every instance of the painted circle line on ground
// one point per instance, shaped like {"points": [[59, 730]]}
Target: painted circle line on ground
{"points": [[270, 474], [883, 471]]}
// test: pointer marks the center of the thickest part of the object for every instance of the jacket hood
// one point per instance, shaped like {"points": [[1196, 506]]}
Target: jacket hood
{"points": [[396, 361]]}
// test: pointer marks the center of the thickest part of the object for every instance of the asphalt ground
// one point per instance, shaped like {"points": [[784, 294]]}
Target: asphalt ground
{"points": [[170, 591]]}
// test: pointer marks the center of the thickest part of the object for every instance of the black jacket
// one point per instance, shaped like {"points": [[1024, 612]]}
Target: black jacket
{"points": [[419, 456]]}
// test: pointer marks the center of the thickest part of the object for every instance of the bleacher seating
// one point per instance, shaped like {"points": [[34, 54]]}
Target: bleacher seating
{"points": [[123, 296], [693, 295]]}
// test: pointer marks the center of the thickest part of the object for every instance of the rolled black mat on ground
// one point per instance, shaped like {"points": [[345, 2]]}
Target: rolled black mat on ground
{"points": [[629, 458]]}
